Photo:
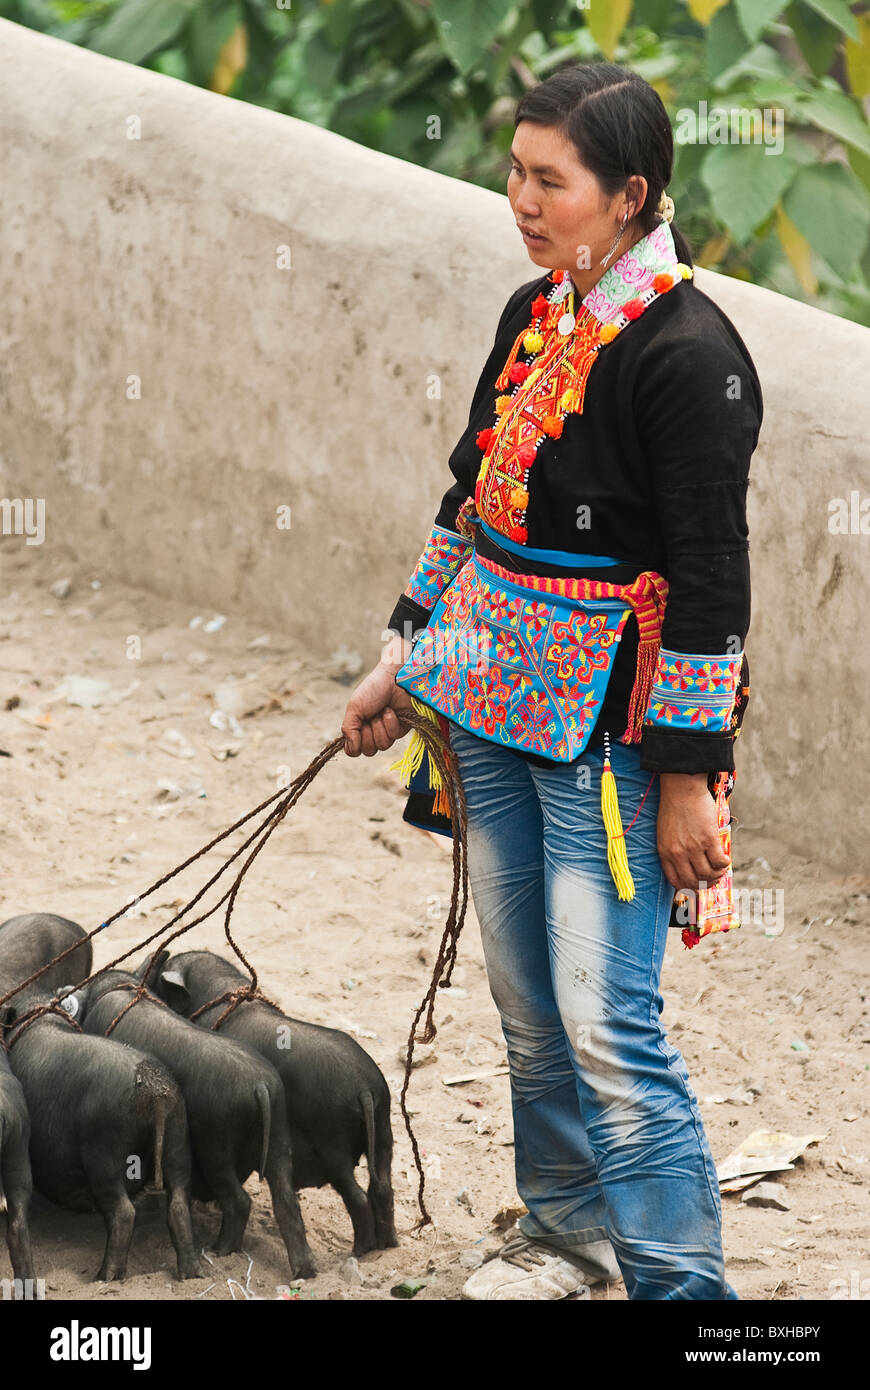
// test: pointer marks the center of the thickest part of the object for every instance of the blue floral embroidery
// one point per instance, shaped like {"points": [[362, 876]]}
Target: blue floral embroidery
{"points": [[443, 554], [692, 691]]}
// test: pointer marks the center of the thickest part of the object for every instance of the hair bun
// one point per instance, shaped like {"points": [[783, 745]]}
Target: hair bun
{"points": [[666, 207]]}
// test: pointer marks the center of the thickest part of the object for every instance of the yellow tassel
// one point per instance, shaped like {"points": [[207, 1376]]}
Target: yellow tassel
{"points": [[617, 855], [412, 757]]}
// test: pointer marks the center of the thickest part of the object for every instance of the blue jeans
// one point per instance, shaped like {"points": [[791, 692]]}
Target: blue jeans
{"points": [[610, 1149]]}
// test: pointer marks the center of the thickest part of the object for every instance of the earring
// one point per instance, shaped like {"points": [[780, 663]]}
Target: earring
{"points": [[619, 235]]}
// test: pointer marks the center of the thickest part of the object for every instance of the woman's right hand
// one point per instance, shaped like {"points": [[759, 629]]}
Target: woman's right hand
{"points": [[371, 723]]}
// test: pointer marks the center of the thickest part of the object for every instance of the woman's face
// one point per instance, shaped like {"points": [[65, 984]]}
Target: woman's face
{"points": [[566, 221]]}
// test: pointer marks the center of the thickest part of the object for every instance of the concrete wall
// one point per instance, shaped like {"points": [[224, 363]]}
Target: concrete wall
{"points": [[306, 387]]}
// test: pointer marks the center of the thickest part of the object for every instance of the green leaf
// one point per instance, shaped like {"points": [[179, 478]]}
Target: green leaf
{"points": [[208, 31], [744, 185], [139, 27], [467, 30], [68, 10], [838, 12], [338, 21], [606, 23], [654, 14], [35, 14], [838, 114], [409, 1289], [725, 42], [817, 39], [760, 61], [858, 59], [755, 15], [546, 15], [321, 68], [172, 63], [832, 209], [580, 47], [851, 302], [406, 136], [800, 149], [414, 13], [702, 11], [860, 164]]}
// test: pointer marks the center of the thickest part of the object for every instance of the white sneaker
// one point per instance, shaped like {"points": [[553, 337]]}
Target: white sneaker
{"points": [[526, 1269]]}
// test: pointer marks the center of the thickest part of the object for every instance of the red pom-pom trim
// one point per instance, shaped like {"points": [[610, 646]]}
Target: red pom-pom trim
{"points": [[526, 454], [518, 372], [557, 277], [690, 938], [552, 426], [539, 306], [484, 439], [633, 309], [662, 283]]}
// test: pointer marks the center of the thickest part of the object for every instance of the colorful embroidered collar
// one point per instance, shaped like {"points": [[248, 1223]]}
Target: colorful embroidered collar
{"points": [[550, 382], [631, 275]]}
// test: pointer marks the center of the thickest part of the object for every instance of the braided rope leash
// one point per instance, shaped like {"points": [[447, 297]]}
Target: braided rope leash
{"points": [[275, 808], [445, 763], [139, 991], [21, 1025], [37, 974], [244, 994]]}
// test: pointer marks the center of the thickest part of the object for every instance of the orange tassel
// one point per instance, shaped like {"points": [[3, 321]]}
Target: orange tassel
{"points": [[503, 381], [647, 656]]}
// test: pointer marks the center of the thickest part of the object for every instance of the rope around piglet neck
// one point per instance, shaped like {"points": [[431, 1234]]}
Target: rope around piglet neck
{"points": [[276, 808], [242, 994], [21, 1025]]}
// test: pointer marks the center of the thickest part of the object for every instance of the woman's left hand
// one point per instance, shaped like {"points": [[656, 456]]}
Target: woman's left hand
{"points": [[687, 833]]}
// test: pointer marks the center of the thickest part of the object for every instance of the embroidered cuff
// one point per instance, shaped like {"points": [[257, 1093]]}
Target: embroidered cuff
{"points": [[443, 554], [693, 693]]}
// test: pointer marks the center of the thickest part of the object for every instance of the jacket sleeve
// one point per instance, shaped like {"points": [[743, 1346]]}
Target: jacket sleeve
{"points": [[449, 542], [699, 408]]}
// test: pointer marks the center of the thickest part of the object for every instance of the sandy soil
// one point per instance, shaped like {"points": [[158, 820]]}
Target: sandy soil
{"points": [[342, 916]]}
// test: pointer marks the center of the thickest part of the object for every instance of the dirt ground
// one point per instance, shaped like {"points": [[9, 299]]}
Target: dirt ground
{"points": [[342, 914]]}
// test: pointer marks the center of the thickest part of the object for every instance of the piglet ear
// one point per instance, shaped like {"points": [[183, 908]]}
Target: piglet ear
{"points": [[174, 991], [156, 959]]}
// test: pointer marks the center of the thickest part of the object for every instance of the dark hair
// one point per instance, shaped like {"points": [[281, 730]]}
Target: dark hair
{"points": [[619, 126]]}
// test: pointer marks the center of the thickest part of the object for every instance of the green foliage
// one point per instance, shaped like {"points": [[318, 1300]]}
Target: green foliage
{"points": [[436, 82], [137, 28]]}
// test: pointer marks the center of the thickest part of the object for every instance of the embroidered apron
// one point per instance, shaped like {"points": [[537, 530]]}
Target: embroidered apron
{"points": [[524, 660]]}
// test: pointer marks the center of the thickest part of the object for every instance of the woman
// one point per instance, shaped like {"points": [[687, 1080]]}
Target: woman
{"points": [[577, 622]]}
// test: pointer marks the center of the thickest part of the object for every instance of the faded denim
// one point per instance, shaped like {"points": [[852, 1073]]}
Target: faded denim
{"points": [[611, 1155]]}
